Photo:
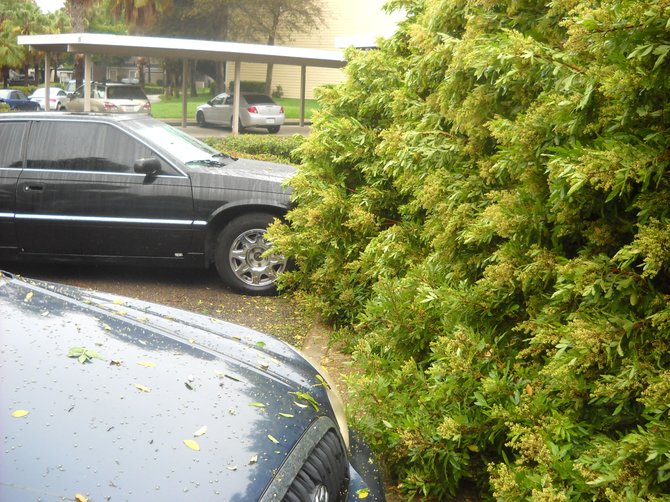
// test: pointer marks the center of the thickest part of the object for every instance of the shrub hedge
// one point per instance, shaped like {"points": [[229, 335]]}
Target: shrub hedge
{"points": [[273, 148], [483, 210]]}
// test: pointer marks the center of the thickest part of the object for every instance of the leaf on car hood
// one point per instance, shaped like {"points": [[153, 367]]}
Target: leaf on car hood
{"points": [[201, 431], [28, 297], [20, 413], [306, 397], [192, 444], [147, 364], [143, 388]]}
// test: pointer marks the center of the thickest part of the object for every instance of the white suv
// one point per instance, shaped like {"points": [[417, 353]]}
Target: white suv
{"points": [[111, 98]]}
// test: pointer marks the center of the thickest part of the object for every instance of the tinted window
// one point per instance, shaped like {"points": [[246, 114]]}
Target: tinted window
{"points": [[81, 146], [258, 99], [125, 93], [11, 136]]}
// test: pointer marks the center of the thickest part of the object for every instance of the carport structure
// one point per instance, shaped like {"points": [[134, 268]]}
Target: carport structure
{"points": [[178, 48]]}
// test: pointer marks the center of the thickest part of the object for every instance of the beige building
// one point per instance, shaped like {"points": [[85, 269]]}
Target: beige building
{"points": [[348, 22]]}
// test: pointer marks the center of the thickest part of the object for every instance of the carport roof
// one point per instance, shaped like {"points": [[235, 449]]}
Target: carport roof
{"points": [[179, 48]]}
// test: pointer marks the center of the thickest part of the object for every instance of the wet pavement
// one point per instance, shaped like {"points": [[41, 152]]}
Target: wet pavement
{"points": [[194, 130]]}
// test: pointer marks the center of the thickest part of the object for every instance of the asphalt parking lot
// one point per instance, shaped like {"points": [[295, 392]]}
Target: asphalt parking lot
{"points": [[219, 132], [195, 290]]}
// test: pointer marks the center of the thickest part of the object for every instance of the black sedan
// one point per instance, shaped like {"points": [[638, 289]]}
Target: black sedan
{"points": [[108, 398], [131, 189], [16, 100]]}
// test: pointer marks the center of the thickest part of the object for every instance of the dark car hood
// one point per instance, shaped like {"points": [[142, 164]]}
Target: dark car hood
{"points": [[244, 174], [115, 427]]}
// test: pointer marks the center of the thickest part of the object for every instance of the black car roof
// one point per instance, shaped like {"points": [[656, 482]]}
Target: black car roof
{"points": [[74, 116]]}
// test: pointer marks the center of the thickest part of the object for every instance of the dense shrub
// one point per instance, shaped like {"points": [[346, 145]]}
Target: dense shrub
{"points": [[262, 147], [483, 207], [248, 86], [153, 89]]}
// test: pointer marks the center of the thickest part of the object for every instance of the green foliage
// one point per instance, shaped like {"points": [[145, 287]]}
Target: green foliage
{"points": [[248, 86], [484, 208], [153, 89], [273, 148], [170, 108]]}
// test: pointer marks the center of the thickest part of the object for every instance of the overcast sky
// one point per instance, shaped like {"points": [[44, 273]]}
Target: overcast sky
{"points": [[49, 5]]}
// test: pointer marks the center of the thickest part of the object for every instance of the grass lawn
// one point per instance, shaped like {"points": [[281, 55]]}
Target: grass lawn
{"points": [[171, 108]]}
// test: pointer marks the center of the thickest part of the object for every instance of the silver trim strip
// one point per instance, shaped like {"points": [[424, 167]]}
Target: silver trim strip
{"points": [[108, 173], [103, 219], [7, 215], [200, 222]]}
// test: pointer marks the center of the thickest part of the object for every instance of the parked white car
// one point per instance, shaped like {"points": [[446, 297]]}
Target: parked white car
{"points": [[57, 98], [256, 110]]}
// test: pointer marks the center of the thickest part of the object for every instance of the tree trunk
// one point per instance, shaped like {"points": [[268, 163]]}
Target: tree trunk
{"points": [[271, 41], [77, 11], [194, 91], [268, 79], [220, 77]]}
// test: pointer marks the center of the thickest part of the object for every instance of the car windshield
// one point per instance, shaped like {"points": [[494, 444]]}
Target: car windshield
{"points": [[5, 93], [180, 145], [123, 92]]}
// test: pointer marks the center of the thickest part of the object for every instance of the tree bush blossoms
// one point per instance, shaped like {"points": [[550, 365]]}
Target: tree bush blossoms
{"points": [[483, 210]]}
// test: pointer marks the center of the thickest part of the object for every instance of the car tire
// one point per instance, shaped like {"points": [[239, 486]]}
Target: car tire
{"points": [[200, 117], [238, 256], [273, 129]]}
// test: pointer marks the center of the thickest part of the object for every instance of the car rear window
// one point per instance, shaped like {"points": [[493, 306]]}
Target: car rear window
{"points": [[125, 93], [258, 99]]}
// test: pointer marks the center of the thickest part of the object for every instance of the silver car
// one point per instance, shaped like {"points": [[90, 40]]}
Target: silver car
{"points": [[57, 98], [111, 98], [256, 110]]}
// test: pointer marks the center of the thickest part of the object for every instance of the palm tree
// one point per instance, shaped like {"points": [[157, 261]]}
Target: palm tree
{"points": [[139, 14], [77, 10], [19, 18]]}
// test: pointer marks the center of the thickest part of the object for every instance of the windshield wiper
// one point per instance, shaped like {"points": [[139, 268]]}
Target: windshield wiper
{"points": [[206, 162], [224, 155]]}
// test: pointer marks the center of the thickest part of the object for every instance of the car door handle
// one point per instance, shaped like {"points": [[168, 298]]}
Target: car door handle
{"points": [[33, 188]]}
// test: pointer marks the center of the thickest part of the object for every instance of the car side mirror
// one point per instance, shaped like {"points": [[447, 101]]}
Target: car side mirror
{"points": [[148, 166]]}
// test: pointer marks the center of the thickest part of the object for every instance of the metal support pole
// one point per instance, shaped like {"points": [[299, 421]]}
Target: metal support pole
{"points": [[88, 73], [184, 74], [303, 79], [236, 99], [47, 81]]}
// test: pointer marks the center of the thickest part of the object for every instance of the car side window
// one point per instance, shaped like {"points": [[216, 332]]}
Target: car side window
{"points": [[11, 137], [83, 146], [229, 100]]}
